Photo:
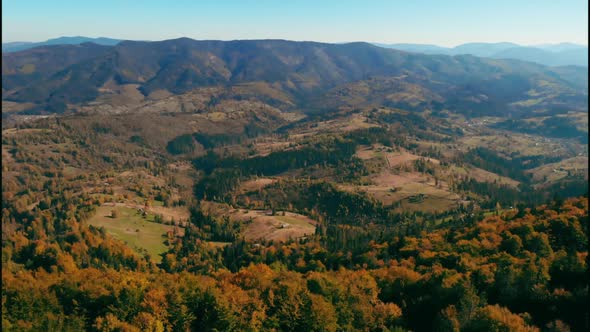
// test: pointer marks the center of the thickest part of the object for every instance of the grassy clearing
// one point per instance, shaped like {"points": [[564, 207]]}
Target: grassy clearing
{"points": [[137, 232], [277, 227]]}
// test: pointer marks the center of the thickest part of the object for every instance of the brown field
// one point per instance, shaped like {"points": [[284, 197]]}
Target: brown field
{"points": [[16, 131], [180, 166], [523, 144], [9, 106], [217, 244], [256, 184], [261, 225], [267, 147], [438, 198], [277, 227], [389, 185], [481, 175], [430, 204], [393, 158], [343, 124], [555, 171]]}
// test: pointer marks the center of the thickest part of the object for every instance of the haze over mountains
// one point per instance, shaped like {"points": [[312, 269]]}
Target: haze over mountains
{"points": [[21, 46], [294, 74], [561, 54], [549, 54]]}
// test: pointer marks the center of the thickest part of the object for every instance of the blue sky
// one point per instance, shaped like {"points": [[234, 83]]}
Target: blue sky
{"points": [[441, 22]]}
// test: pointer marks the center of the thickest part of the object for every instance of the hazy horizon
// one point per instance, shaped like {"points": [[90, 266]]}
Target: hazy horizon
{"points": [[445, 24], [316, 41]]}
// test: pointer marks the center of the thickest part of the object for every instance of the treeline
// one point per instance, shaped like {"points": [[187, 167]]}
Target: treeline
{"points": [[522, 269], [186, 143], [222, 175], [363, 270], [492, 193], [555, 126], [417, 125], [490, 161], [319, 198], [328, 153]]}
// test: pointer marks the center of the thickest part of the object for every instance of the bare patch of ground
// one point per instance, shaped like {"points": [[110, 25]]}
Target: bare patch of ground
{"points": [[343, 124], [261, 224], [277, 228], [256, 184], [266, 148], [393, 158], [482, 175], [556, 171]]}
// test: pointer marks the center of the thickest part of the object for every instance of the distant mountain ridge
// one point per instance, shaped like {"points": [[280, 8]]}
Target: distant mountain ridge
{"points": [[21, 46], [562, 54], [308, 75]]}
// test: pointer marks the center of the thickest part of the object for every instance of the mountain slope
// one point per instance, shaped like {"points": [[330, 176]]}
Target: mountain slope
{"points": [[304, 71], [31, 66]]}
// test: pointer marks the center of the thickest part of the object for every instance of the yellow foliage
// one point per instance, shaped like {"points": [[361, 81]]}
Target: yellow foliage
{"points": [[497, 318]]}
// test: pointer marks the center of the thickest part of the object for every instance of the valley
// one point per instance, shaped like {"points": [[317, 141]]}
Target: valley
{"points": [[359, 188]]}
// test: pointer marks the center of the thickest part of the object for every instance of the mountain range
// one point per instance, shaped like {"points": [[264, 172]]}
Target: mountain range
{"points": [[21, 46], [273, 185], [549, 54], [561, 54], [291, 74]]}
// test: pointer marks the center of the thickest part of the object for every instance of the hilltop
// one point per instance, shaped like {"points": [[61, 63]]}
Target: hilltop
{"points": [[283, 73]]}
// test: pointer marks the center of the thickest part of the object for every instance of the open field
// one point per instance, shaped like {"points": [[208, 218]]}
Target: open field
{"points": [[260, 224], [130, 227], [15, 131], [338, 125], [390, 186], [256, 184], [267, 147], [167, 213], [482, 175], [217, 244], [277, 227], [556, 171], [521, 144], [393, 158], [435, 199]]}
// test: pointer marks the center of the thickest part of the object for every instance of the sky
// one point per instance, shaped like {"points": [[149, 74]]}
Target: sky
{"points": [[441, 22]]}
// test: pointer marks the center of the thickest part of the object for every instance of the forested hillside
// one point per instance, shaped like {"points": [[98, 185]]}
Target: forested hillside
{"points": [[271, 185], [516, 271]]}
